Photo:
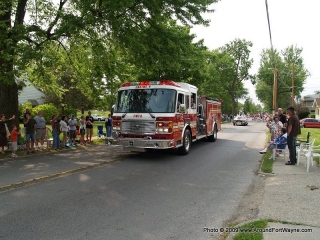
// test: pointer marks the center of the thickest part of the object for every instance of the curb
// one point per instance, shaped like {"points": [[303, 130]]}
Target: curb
{"points": [[29, 182], [52, 176]]}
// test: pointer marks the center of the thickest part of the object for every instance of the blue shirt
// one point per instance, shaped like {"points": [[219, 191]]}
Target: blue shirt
{"points": [[109, 122], [281, 141], [72, 124], [41, 122]]}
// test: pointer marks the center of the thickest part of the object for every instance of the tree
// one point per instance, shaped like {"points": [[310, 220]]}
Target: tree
{"points": [[79, 77], [283, 62], [52, 21], [248, 106], [228, 68]]}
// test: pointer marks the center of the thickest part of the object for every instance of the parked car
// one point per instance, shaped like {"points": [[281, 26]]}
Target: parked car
{"points": [[98, 117], [309, 123]]}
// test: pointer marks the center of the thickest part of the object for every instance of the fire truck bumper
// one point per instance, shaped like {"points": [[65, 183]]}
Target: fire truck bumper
{"points": [[133, 143]]}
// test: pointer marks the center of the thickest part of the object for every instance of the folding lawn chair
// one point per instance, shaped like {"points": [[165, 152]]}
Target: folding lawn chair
{"points": [[100, 132]]}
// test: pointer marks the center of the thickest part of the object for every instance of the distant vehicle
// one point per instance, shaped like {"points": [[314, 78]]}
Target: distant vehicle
{"points": [[98, 117], [240, 120], [309, 123]]}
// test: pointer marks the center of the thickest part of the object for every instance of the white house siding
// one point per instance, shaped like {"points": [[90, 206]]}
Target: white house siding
{"points": [[30, 92], [308, 101]]}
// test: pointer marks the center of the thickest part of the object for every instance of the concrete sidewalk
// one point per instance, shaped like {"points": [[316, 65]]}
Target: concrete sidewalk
{"points": [[292, 195], [16, 172]]}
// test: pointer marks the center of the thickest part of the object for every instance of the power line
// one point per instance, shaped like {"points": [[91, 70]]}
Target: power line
{"points": [[272, 52]]}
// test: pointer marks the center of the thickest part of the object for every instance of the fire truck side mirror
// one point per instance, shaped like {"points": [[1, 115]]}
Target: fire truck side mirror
{"points": [[182, 108]]}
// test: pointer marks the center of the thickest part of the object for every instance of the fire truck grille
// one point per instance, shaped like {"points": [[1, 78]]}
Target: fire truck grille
{"points": [[138, 127]]}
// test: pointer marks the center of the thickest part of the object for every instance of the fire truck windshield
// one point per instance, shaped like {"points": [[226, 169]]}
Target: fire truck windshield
{"points": [[146, 101]]}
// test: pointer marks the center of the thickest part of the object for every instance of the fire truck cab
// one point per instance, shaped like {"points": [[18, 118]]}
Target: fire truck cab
{"points": [[162, 115]]}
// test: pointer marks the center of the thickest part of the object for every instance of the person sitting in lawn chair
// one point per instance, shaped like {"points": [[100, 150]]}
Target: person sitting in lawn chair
{"points": [[280, 142]]}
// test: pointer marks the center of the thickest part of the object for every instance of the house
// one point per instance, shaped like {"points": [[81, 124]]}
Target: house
{"points": [[316, 105], [308, 101], [30, 93]]}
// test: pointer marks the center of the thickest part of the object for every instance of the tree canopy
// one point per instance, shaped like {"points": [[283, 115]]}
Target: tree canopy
{"points": [[27, 29], [79, 52], [290, 67]]}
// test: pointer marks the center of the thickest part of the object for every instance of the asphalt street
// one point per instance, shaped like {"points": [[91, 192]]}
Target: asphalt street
{"points": [[154, 195]]}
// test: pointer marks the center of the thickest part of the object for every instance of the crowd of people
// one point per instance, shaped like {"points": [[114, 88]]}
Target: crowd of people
{"points": [[284, 131], [64, 131]]}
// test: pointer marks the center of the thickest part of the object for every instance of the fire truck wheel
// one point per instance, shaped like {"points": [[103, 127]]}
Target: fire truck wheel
{"points": [[184, 150], [214, 135]]}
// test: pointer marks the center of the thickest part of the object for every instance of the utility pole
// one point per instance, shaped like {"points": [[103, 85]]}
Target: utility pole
{"points": [[275, 88], [292, 97]]}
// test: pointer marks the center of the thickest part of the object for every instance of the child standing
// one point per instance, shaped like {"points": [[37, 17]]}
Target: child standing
{"points": [[14, 140]]}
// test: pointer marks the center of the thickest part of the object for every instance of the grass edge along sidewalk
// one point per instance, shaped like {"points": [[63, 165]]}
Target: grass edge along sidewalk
{"points": [[256, 229]]}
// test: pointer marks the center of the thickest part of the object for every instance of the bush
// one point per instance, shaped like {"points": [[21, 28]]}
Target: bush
{"points": [[68, 111], [22, 110], [48, 110], [312, 116], [303, 115]]}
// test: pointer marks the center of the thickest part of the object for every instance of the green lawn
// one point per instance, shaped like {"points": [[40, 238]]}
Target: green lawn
{"points": [[247, 231], [267, 163], [95, 129], [315, 133]]}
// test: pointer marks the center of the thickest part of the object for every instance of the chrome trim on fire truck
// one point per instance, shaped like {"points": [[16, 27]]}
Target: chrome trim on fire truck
{"points": [[138, 127], [146, 143]]}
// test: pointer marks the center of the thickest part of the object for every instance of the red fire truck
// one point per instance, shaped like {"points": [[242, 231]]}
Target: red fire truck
{"points": [[163, 114]]}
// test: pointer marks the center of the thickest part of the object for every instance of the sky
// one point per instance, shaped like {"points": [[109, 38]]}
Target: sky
{"points": [[292, 22]]}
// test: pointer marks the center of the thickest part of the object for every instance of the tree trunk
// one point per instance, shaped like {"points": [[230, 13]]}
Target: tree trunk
{"points": [[9, 99], [233, 103], [8, 91], [8, 86]]}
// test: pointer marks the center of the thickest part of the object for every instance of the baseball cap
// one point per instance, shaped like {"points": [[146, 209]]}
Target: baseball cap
{"points": [[290, 108]]}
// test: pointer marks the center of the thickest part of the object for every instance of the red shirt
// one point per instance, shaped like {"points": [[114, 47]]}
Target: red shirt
{"points": [[14, 136]]}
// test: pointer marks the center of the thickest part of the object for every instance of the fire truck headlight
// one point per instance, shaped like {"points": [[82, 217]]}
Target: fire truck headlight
{"points": [[160, 129], [166, 130]]}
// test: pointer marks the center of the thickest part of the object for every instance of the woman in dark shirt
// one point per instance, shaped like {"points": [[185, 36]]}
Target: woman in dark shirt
{"points": [[3, 132], [55, 124]]}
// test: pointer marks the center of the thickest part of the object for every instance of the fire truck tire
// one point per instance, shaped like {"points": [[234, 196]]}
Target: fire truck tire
{"points": [[184, 150], [214, 135]]}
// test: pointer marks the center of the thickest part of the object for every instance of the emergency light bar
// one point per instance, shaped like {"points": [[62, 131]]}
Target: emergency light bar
{"points": [[149, 83]]}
